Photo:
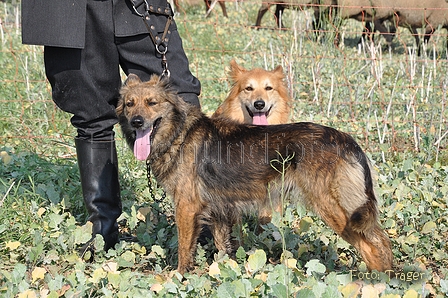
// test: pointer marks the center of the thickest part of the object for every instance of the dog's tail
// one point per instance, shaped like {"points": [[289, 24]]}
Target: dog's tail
{"points": [[365, 217], [363, 229]]}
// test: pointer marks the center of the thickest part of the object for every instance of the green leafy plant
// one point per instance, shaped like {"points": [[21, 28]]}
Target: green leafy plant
{"points": [[392, 103]]}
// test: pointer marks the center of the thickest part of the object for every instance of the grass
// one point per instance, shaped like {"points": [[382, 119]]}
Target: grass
{"points": [[392, 102]]}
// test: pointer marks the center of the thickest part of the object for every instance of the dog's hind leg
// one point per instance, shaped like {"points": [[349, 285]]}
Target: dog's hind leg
{"points": [[188, 229], [373, 245], [371, 242]]}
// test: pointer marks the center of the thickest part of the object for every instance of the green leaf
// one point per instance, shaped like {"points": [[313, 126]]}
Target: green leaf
{"points": [[279, 290], [429, 227], [82, 234], [314, 266], [54, 221], [158, 250], [98, 242], [2, 228], [226, 290], [444, 285], [408, 165], [305, 293], [242, 287], [304, 224], [52, 194], [257, 260], [412, 239], [98, 275], [277, 219], [240, 254], [18, 274], [351, 290], [411, 294], [229, 270], [36, 252], [331, 292], [127, 259]]}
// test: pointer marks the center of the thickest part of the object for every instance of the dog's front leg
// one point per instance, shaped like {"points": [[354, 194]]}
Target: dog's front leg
{"points": [[188, 229]]}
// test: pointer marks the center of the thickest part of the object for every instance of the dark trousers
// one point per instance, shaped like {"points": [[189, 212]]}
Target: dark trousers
{"points": [[86, 82]]}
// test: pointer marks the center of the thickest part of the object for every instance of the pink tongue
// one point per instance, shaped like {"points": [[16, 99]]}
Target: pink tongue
{"points": [[259, 119], [142, 147]]}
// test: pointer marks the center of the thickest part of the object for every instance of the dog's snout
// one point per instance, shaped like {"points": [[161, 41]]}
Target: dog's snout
{"points": [[137, 121], [259, 104]]}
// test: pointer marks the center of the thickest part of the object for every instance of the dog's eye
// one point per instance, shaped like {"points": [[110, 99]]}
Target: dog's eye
{"points": [[268, 88], [130, 104], [151, 103], [249, 88]]}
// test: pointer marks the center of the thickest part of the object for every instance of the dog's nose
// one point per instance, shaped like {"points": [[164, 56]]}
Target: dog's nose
{"points": [[259, 104], [137, 121]]}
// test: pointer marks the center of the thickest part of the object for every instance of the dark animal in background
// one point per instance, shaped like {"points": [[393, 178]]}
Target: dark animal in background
{"points": [[215, 170], [319, 6], [208, 4], [412, 14]]}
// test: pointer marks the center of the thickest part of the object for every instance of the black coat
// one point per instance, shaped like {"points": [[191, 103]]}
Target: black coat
{"points": [[61, 23]]}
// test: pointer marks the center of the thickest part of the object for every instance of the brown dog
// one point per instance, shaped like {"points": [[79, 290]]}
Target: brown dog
{"points": [[216, 169], [257, 96]]}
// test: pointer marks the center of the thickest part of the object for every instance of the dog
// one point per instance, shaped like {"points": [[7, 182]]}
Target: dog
{"points": [[257, 96], [215, 170]]}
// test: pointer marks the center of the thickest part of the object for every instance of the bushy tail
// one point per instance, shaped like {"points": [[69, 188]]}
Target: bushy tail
{"points": [[365, 217]]}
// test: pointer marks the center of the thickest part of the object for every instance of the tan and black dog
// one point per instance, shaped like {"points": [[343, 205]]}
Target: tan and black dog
{"points": [[257, 96], [215, 170]]}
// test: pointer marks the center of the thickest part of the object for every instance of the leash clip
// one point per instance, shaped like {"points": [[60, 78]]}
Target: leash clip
{"points": [[165, 70], [162, 49]]}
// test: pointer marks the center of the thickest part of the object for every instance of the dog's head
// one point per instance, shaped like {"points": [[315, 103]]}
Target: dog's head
{"points": [[259, 92], [146, 111]]}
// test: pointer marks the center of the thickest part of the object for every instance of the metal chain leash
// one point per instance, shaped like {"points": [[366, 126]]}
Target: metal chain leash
{"points": [[161, 46], [161, 201]]}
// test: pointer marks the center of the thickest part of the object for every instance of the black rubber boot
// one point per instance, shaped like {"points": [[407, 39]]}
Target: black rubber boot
{"points": [[98, 168]]}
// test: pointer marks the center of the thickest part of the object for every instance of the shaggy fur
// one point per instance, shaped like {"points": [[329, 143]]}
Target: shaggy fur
{"points": [[257, 91], [253, 92], [215, 170]]}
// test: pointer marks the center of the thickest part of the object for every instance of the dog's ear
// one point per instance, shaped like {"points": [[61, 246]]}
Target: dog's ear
{"points": [[154, 80], [159, 81], [120, 107], [278, 71], [132, 80], [235, 70]]}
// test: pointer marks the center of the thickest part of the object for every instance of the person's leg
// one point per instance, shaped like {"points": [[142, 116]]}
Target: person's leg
{"points": [[98, 168], [138, 56], [86, 84]]}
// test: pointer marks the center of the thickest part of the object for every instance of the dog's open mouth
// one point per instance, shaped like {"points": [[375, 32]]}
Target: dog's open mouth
{"points": [[259, 118], [143, 140]]}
